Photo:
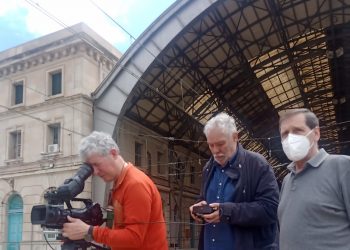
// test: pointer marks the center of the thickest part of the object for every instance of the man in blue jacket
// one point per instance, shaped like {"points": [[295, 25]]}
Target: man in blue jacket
{"points": [[241, 191]]}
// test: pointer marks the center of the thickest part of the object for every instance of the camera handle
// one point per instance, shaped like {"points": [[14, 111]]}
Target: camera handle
{"points": [[80, 245], [74, 245], [87, 202]]}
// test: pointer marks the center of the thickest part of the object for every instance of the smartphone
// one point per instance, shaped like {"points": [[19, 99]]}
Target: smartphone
{"points": [[203, 209]]}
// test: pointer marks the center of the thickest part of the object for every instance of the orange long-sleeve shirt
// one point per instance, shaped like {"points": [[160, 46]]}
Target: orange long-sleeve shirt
{"points": [[138, 214]]}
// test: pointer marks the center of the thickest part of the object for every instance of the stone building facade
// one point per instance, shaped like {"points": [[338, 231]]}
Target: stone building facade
{"points": [[45, 109]]}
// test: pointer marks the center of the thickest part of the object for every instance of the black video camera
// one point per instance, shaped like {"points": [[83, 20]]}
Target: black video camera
{"points": [[53, 215]]}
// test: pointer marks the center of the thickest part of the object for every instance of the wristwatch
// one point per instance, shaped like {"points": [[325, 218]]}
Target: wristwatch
{"points": [[89, 235]]}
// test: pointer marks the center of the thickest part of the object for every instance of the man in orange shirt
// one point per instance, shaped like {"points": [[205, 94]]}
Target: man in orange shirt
{"points": [[138, 215]]}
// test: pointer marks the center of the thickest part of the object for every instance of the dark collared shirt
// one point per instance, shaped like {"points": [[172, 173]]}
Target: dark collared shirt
{"points": [[219, 236]]}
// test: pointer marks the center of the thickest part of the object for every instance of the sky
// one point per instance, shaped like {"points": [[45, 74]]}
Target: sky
{"points": [[21, 21]]}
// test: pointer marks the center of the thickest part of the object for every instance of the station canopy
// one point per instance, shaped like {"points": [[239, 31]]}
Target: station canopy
{"points": [[251, 59]]}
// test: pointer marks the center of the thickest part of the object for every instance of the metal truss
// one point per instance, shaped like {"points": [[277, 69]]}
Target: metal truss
{"points": [[252, 59]]}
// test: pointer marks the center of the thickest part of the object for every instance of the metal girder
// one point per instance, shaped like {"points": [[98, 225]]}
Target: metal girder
{"points": [[292, 63], [222, 60]]}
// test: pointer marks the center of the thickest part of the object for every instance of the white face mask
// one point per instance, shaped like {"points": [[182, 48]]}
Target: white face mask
{"points": [[296, 147]]}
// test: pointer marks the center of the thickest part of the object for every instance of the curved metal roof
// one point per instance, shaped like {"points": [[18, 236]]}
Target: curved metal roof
{"points": [[252, 59]]}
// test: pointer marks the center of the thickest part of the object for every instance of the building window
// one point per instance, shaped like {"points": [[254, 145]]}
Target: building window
{"points": [[15, 222], [54, 137], [149, 160], [160, 163], [55, 83], [15, 144], [177, 170], [17, 90], [192, 176], [180, 169], [138, 154], [55, 132]]}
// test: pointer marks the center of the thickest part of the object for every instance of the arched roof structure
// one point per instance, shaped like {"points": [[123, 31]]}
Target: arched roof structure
{"points": [[250, 58]]}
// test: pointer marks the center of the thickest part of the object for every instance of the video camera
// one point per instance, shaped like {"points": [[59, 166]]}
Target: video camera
{"points": [[53, 214]]}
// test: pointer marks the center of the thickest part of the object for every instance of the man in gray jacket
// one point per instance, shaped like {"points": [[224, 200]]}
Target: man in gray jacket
{"points": [[314, 209]]}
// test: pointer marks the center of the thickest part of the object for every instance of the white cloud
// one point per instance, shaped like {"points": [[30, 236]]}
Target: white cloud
{"points": [[133, 15], [71, 12], [10, 6]]}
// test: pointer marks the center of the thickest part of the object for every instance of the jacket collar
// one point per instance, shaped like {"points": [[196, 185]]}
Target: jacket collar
{"points": [[118, 181], [234, 169], [241, 157], [236, 159]]}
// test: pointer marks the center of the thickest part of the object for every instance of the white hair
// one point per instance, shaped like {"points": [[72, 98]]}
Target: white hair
{"points": [[222, 121], [97, 142]]}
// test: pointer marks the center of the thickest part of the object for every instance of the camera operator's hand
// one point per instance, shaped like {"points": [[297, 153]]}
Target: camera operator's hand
{"points": [[75, 229]]}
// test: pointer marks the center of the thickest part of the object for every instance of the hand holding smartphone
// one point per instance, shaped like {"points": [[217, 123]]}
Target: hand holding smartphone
{"points": [[203, 209]]}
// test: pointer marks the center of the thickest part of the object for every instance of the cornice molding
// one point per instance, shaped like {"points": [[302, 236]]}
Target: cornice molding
{"points": [[63, 101], [71, 50]]}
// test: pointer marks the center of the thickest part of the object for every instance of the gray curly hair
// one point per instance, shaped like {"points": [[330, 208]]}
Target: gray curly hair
{"points": [[97, 142], [223, 121]]}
